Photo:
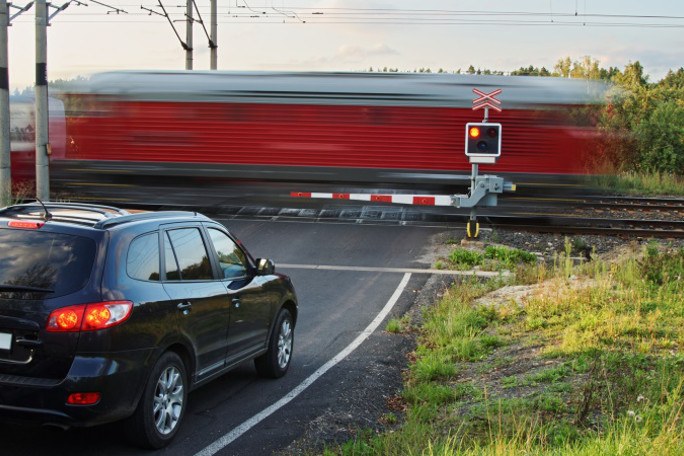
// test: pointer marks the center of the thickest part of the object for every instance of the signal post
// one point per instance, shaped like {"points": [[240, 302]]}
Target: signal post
{"points": [[483, 146]]}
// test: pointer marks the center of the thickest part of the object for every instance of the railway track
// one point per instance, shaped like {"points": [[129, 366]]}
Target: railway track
{"points": [[571, 224], [602, 215], [600, 204], [636, 216], [595, 225], [639, 203]]}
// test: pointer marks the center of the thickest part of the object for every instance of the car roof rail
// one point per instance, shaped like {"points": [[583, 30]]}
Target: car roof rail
{"points": [[110, 222], [91, 206], [42, 210]]}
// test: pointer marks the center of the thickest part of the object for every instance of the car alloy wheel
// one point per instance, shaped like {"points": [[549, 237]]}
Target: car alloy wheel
{"points": [[168, 400], [284, 344], [161, 408], [276, 361]]}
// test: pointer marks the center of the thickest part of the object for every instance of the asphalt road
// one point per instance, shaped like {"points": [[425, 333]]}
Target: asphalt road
{"points": [[336, 306]]}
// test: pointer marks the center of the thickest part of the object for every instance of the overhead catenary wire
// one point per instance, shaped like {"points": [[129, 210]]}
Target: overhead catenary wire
{"points": [[285, 13], [408, 23], [168, 18], [414, 12], [408, 15], [112, 9], [246, 12]]}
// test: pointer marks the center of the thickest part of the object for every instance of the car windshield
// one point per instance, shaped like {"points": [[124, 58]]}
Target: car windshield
{"points": [[41, 262]]}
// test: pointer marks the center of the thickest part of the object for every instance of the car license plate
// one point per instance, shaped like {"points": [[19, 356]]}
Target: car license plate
{"points": [[5, 341]]}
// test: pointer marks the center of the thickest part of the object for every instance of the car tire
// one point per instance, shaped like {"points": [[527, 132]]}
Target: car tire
{"points": [[275, 362], [161, 408]]}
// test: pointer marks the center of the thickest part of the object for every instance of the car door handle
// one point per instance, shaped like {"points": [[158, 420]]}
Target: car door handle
{"points": [[236, 302], [184, 307]]}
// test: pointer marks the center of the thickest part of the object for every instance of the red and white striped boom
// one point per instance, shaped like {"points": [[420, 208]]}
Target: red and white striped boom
{"points": [[483, 193], [417, 200]]}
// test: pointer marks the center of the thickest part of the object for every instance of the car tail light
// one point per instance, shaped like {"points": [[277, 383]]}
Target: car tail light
{"points": [[106, 314], [66, 319], [83, 398], [25, 224], [89, 317]]}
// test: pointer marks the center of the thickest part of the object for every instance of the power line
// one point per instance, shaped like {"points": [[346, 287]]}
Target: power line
{"points": [[243, 12], [371, 11], [435, 22], [414, 14]]}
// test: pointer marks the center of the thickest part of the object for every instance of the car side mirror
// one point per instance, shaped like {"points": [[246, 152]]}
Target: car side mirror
{"points": [[265, 266]]}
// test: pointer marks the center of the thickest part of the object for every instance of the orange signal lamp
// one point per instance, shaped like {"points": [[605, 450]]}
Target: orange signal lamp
{"points": [[474, 132]]}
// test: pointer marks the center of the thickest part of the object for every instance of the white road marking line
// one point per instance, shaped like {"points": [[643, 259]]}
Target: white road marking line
{"points": [[231, 436], [324, 267]]}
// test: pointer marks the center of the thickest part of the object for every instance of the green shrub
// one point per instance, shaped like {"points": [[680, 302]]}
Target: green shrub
{"points": [[659, 138], [464, 257], [508, 256]]}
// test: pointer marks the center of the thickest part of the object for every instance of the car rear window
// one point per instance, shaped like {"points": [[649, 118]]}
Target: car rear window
{"points": [[143, 258], [39, 259]]}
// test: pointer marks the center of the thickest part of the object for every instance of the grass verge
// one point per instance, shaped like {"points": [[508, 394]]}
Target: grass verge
{"points": [[588, 363], [630, 183]]}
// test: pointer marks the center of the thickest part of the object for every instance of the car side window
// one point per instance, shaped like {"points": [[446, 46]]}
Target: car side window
{"points": [[142, 262], [231, 258], [171, 264], [190, 255]]}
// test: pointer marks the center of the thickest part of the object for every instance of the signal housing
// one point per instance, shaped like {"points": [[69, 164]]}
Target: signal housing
{"points": [[483, 141]]}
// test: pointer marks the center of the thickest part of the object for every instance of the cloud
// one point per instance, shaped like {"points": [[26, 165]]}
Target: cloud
{"points": [[344, 58], [359, 53]]}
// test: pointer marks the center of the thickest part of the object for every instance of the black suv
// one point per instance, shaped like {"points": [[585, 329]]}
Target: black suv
{"points": [[108, 315]]}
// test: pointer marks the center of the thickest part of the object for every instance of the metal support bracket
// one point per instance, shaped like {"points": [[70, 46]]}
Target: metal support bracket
{"points": [[484, 192]]}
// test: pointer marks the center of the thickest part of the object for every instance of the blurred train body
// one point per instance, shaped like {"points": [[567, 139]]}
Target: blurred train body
{"points": [[128, 130], [23, 136]]}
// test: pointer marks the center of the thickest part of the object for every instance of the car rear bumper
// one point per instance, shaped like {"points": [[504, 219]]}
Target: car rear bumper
{"points": [[118, 377]]}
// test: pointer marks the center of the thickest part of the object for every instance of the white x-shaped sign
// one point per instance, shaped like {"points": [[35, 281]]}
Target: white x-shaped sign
{"points": [[486, 100]]}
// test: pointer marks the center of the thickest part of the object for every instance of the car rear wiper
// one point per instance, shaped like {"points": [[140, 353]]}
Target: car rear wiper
{"points": [[24, 288]]}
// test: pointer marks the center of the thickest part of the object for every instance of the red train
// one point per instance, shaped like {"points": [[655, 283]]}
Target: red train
{"points": [[128, 130], [23, 136]]}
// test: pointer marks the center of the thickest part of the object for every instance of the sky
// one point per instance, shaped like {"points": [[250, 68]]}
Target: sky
{"points": [[351, 35]]}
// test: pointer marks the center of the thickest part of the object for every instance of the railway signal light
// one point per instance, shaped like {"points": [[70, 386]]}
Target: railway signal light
{"points": [[483, 142]]}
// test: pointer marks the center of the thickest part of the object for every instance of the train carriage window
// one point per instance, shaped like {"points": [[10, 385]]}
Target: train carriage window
{"points": [[22, 125], [79, 105]]}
